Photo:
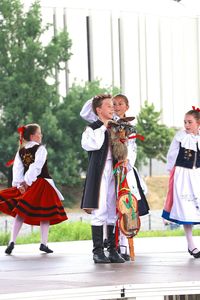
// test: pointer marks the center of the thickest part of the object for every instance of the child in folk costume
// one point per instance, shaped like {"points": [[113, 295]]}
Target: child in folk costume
{"points": [[136, 184], [34, 198], [99, 195], [182, 205]]}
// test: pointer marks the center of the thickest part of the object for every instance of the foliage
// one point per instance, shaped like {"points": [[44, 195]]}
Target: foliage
{"points": [[157, 136], [26, 65], [27, 96], [66, 231], [77, 231]]}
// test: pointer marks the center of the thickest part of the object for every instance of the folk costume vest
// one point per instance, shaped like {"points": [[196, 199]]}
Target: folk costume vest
{"points": [[188, 158], [96, 165], [28, 157]]}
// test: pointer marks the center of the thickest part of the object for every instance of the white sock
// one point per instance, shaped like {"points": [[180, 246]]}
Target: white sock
{"points": [[16, 228], [123, 242], [44, 229]]}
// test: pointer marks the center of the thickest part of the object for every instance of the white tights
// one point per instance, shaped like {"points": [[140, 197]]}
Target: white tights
{"points": [[44, 229], [189, 237]]}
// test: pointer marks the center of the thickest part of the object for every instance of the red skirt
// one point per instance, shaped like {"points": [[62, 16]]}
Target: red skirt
{"points": [[39, 203]]}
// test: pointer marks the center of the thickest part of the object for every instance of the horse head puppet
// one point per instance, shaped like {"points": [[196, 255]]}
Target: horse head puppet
{"points": [[119, 132]]}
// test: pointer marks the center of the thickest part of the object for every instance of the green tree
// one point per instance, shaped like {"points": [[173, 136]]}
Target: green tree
{"points": [[157, 136], [26, 64]]}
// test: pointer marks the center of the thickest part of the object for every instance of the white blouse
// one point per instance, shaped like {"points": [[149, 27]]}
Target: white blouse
{"points": [[34, 169]]}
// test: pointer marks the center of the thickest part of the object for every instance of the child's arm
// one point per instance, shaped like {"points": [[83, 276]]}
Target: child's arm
{"points": [[87, 112], [18, 171], [172, 154], [93, 139], [36, 167], [132, 153]]}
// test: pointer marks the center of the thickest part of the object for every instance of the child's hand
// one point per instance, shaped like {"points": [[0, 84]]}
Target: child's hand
{"points": [[23, 187], [106, 122], [123, 162]]}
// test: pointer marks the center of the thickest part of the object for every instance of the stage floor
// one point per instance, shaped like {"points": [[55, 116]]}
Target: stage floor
{"points": [[69, 272]]}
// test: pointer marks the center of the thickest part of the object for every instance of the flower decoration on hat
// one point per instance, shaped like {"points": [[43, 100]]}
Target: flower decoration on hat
{"points": [[196, 108]]}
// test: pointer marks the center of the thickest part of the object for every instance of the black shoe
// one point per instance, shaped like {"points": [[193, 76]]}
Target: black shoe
{"points": [[125, 256], [45, 248], [100, 258], [10, 248], [115, 257], [195, 254]]}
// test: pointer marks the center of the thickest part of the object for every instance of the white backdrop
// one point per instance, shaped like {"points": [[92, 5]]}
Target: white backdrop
{"points": [[156, 57]]}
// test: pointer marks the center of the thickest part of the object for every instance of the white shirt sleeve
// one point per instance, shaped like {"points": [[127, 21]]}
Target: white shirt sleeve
{"points": [[132, 152], [18, 171], [36, 167], [172, 154], [93, 139], [87, 112]]}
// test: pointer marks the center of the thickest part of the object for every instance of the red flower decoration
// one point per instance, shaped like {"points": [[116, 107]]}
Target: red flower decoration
{"points": [[21, 133], [194, 108], [10, 163]]}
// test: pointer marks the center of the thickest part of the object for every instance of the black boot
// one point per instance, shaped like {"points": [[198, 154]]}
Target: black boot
{"points": [[98, 253], [114, 256]]}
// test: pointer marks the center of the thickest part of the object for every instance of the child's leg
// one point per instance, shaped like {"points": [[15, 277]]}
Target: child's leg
{"points": [[123, 243], [44, 229], [111, 221], [191, 246], [15, 230], [98, 219], [105, 236]]}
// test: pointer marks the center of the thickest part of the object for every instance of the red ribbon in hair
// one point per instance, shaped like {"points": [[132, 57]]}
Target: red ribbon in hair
{"points": [[194, 108], [20, 130]]}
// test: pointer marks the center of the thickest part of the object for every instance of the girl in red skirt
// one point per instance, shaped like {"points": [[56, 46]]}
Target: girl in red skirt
{"points": [[33, 198]]}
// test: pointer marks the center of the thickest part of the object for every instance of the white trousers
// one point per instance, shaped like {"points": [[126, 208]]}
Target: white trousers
{"points": [[106, 213]]}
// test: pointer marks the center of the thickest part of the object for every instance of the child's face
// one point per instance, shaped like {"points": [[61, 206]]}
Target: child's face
{"points": [[120, 107], [191, 124], [37, 136], [105, 112]]}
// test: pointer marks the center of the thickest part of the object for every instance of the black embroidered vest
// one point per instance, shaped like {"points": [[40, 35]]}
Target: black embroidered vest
{"points": [[96, 165], [28, 157], [188, 158]]}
